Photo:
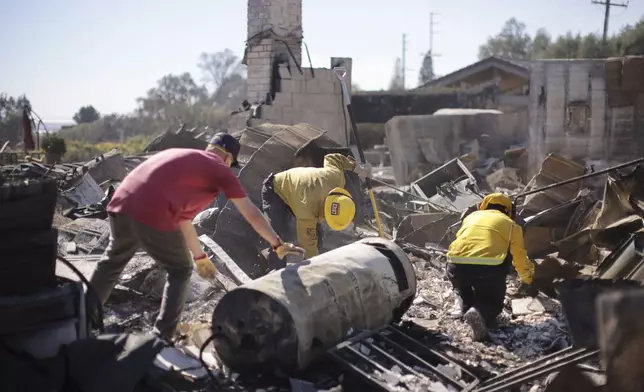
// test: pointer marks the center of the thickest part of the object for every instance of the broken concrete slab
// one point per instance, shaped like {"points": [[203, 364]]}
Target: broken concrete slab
{"points": [[413, 222], [523, 306], [506, 178], [430, 140], [71, 248], [429, 233]]}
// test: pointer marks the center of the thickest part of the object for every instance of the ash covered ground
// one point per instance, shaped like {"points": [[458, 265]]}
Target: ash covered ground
{"points": [[518, 340]]}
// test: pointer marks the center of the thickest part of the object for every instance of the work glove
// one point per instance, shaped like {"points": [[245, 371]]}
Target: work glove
{"points": [[288, 249], [527, 290], [363, 170], [205, 268]]}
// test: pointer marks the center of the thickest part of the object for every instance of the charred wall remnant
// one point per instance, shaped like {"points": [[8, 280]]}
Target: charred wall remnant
{"points": [[287, 92], [587, 109], [426, 142], [287, 318]]}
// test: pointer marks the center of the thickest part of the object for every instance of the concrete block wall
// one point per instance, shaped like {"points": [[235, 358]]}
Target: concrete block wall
{"points": [[312, 97], [315, 97], [555, 85]]}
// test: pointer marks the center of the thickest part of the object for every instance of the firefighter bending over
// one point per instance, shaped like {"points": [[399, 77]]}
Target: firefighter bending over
{"points": [[487, 244]]}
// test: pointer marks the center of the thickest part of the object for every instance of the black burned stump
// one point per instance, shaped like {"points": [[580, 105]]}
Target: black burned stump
{"points": [[621, 339], [28, 243]]}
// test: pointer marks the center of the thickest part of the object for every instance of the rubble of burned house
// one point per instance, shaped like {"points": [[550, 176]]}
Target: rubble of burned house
{"points": [[368, 313], [583, 235]]}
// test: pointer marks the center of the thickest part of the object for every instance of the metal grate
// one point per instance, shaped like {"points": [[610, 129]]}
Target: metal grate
{"points": [[537, 369], [389, 358]]}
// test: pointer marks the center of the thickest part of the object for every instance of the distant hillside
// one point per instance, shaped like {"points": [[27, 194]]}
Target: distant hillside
{"points": [[53, 126]]}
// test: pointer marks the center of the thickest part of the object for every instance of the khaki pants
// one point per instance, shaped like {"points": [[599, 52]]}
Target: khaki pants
{"points": [[167, 248]]}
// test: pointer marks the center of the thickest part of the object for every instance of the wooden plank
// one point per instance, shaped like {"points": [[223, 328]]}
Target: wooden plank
{"points": [[226, 263], [225, 281]]}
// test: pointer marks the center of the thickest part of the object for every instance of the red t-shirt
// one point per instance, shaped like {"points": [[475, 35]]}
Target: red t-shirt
{"points": [[174, 185]]}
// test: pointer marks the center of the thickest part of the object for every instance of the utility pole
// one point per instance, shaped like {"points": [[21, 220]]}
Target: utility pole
{"points": [[404, 59], [608, 4], [431, 32]]}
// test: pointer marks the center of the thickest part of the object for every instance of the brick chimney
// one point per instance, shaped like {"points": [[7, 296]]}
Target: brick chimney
{"points": [[274, 32]]}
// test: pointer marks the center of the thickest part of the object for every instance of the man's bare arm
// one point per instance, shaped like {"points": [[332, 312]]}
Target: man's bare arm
{"points": [[190, 236], [257, 220]]}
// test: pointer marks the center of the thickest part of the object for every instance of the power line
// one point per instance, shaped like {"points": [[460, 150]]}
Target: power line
{"points": [[608, 4]]}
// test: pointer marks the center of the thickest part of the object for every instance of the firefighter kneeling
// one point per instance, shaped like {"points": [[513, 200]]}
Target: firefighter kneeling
{"points": [[488, 242]]}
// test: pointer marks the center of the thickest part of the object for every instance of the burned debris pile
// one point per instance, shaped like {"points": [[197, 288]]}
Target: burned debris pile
{"points": [[368, 314]]}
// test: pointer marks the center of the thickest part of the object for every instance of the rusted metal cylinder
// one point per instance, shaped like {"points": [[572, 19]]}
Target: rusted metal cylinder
{"points": [[285, 319]]}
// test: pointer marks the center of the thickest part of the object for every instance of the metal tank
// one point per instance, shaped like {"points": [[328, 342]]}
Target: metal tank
{"points": [[285, 319]]}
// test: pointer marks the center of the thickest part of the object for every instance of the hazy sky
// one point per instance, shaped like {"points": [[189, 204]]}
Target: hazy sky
{"points": [[68, 53]]}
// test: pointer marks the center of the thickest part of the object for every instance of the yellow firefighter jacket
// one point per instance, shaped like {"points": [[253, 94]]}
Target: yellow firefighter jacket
{"points": [[304, 189], [486, 237]]}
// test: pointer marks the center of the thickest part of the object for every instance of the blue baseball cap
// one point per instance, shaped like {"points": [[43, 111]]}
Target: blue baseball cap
{"points": [[228, 143]]}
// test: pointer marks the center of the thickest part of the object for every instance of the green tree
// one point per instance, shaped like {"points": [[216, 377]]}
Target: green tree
{"points": [[54, 147], [171, 97], [396, 83], [224, 77], [513, 42], [86, 114], [590, 47], [540, 44], [175, 100], [11, 118], [630, 40], [426, 73], [565, 47]]}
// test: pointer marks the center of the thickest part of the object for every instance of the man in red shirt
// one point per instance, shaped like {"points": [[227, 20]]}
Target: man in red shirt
{"points": [[153, 208]]}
